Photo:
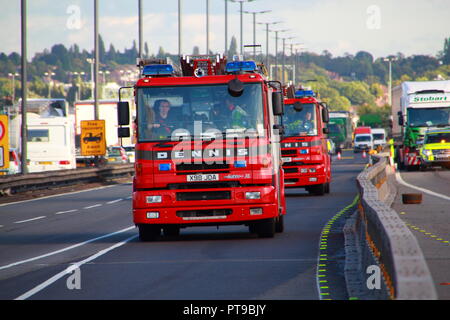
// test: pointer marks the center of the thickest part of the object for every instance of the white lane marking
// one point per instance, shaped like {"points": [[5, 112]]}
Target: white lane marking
{"points": [[68, 211], [62, 194], [37, 218], [114, 201], [94, 206], [65, 249], [432, 193], [70, 269]]}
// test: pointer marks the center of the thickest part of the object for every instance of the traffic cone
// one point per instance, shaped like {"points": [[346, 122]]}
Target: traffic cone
{"points": [[339, 156], [364, 155]]}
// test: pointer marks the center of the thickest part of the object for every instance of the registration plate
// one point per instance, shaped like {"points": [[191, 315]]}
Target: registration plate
{"points": [[45, 162], [202, 177]]}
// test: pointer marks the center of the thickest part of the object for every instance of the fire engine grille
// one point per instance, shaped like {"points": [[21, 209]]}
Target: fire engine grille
{"points": [[288, 152], [201, 166], [204, 213], [290, 181], [292, 164], [203, 185], [290, 170], [209, 195]]}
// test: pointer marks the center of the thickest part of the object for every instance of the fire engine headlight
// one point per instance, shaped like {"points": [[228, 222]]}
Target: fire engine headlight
{"points": [[427, 152], [153, 215], [154, 199], [312, 170], [252, 195]]}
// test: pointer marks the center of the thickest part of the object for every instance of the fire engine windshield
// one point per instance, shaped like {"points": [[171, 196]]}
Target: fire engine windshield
{"points": [[199, 112], [429, 117], [300, 122]]}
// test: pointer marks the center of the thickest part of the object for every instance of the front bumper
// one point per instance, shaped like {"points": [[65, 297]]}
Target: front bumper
{"points": [[301, 176], [235, 210]]}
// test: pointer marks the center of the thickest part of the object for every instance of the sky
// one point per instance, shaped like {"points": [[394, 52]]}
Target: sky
{"points": [[381, 27]]}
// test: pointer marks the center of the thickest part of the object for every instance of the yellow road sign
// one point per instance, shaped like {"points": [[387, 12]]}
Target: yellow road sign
{"points": [[92, 138], [4, 142]]}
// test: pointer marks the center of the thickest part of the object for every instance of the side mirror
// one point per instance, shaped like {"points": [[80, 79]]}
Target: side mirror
{"points": [[123, 113], [280, 129], [277, 103], [326, 130], [325, 115], [123, 132]]}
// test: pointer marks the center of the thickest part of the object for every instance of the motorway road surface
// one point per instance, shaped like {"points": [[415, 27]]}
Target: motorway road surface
{"points": [[429, 222], [40, 239]]}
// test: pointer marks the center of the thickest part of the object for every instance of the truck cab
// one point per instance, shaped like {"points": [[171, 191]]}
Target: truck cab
{"points": [[306, 161], [207, 152]]}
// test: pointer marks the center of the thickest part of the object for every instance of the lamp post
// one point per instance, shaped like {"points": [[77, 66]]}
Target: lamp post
{"points": [[207, 27], [276, 51], [283, 70], [13, 85], [180, 2], [241, 5], [295, 59], [390, 77], [23, 156], [91, 62], [254, 13], [49, 75], [140, 28], [267, 38]]}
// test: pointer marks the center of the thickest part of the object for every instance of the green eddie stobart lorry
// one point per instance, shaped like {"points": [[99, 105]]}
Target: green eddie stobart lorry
{"points": [[341, 129], [424, 105]]}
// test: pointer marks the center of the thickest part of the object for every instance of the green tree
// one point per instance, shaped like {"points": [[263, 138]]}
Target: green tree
{"points": [[445, 54]]}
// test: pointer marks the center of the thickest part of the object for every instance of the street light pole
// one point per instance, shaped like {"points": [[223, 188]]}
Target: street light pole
{"points": [[267, 38], [241, 10], [179, 27], [140, 28], [13, 93], [96, 60], [49, 75], [390, 78], [276, 51], [207, 27], [226, 28], [254, 13], [23, 158]]}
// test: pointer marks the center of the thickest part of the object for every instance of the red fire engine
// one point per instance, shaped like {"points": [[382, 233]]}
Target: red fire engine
{"points": [[306, 161], [207, 149]]}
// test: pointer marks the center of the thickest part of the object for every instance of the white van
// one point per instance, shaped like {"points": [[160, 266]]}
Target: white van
{"points": [[363, 142], [379, 137]]}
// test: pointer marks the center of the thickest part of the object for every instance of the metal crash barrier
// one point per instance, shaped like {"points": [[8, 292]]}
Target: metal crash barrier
{"points": [[390, 242]]}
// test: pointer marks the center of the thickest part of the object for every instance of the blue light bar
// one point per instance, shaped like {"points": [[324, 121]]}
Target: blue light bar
{"points": [[237, 66], [164, 167], [304, 93], [240, 164], [157, 70]]}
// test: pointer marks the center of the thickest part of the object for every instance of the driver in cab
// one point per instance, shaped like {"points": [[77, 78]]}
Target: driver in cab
{"points": [[162, 122], [307, 124]]}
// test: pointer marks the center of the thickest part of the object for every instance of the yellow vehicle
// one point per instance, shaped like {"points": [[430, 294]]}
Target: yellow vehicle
{"points": [[435, 150]]}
